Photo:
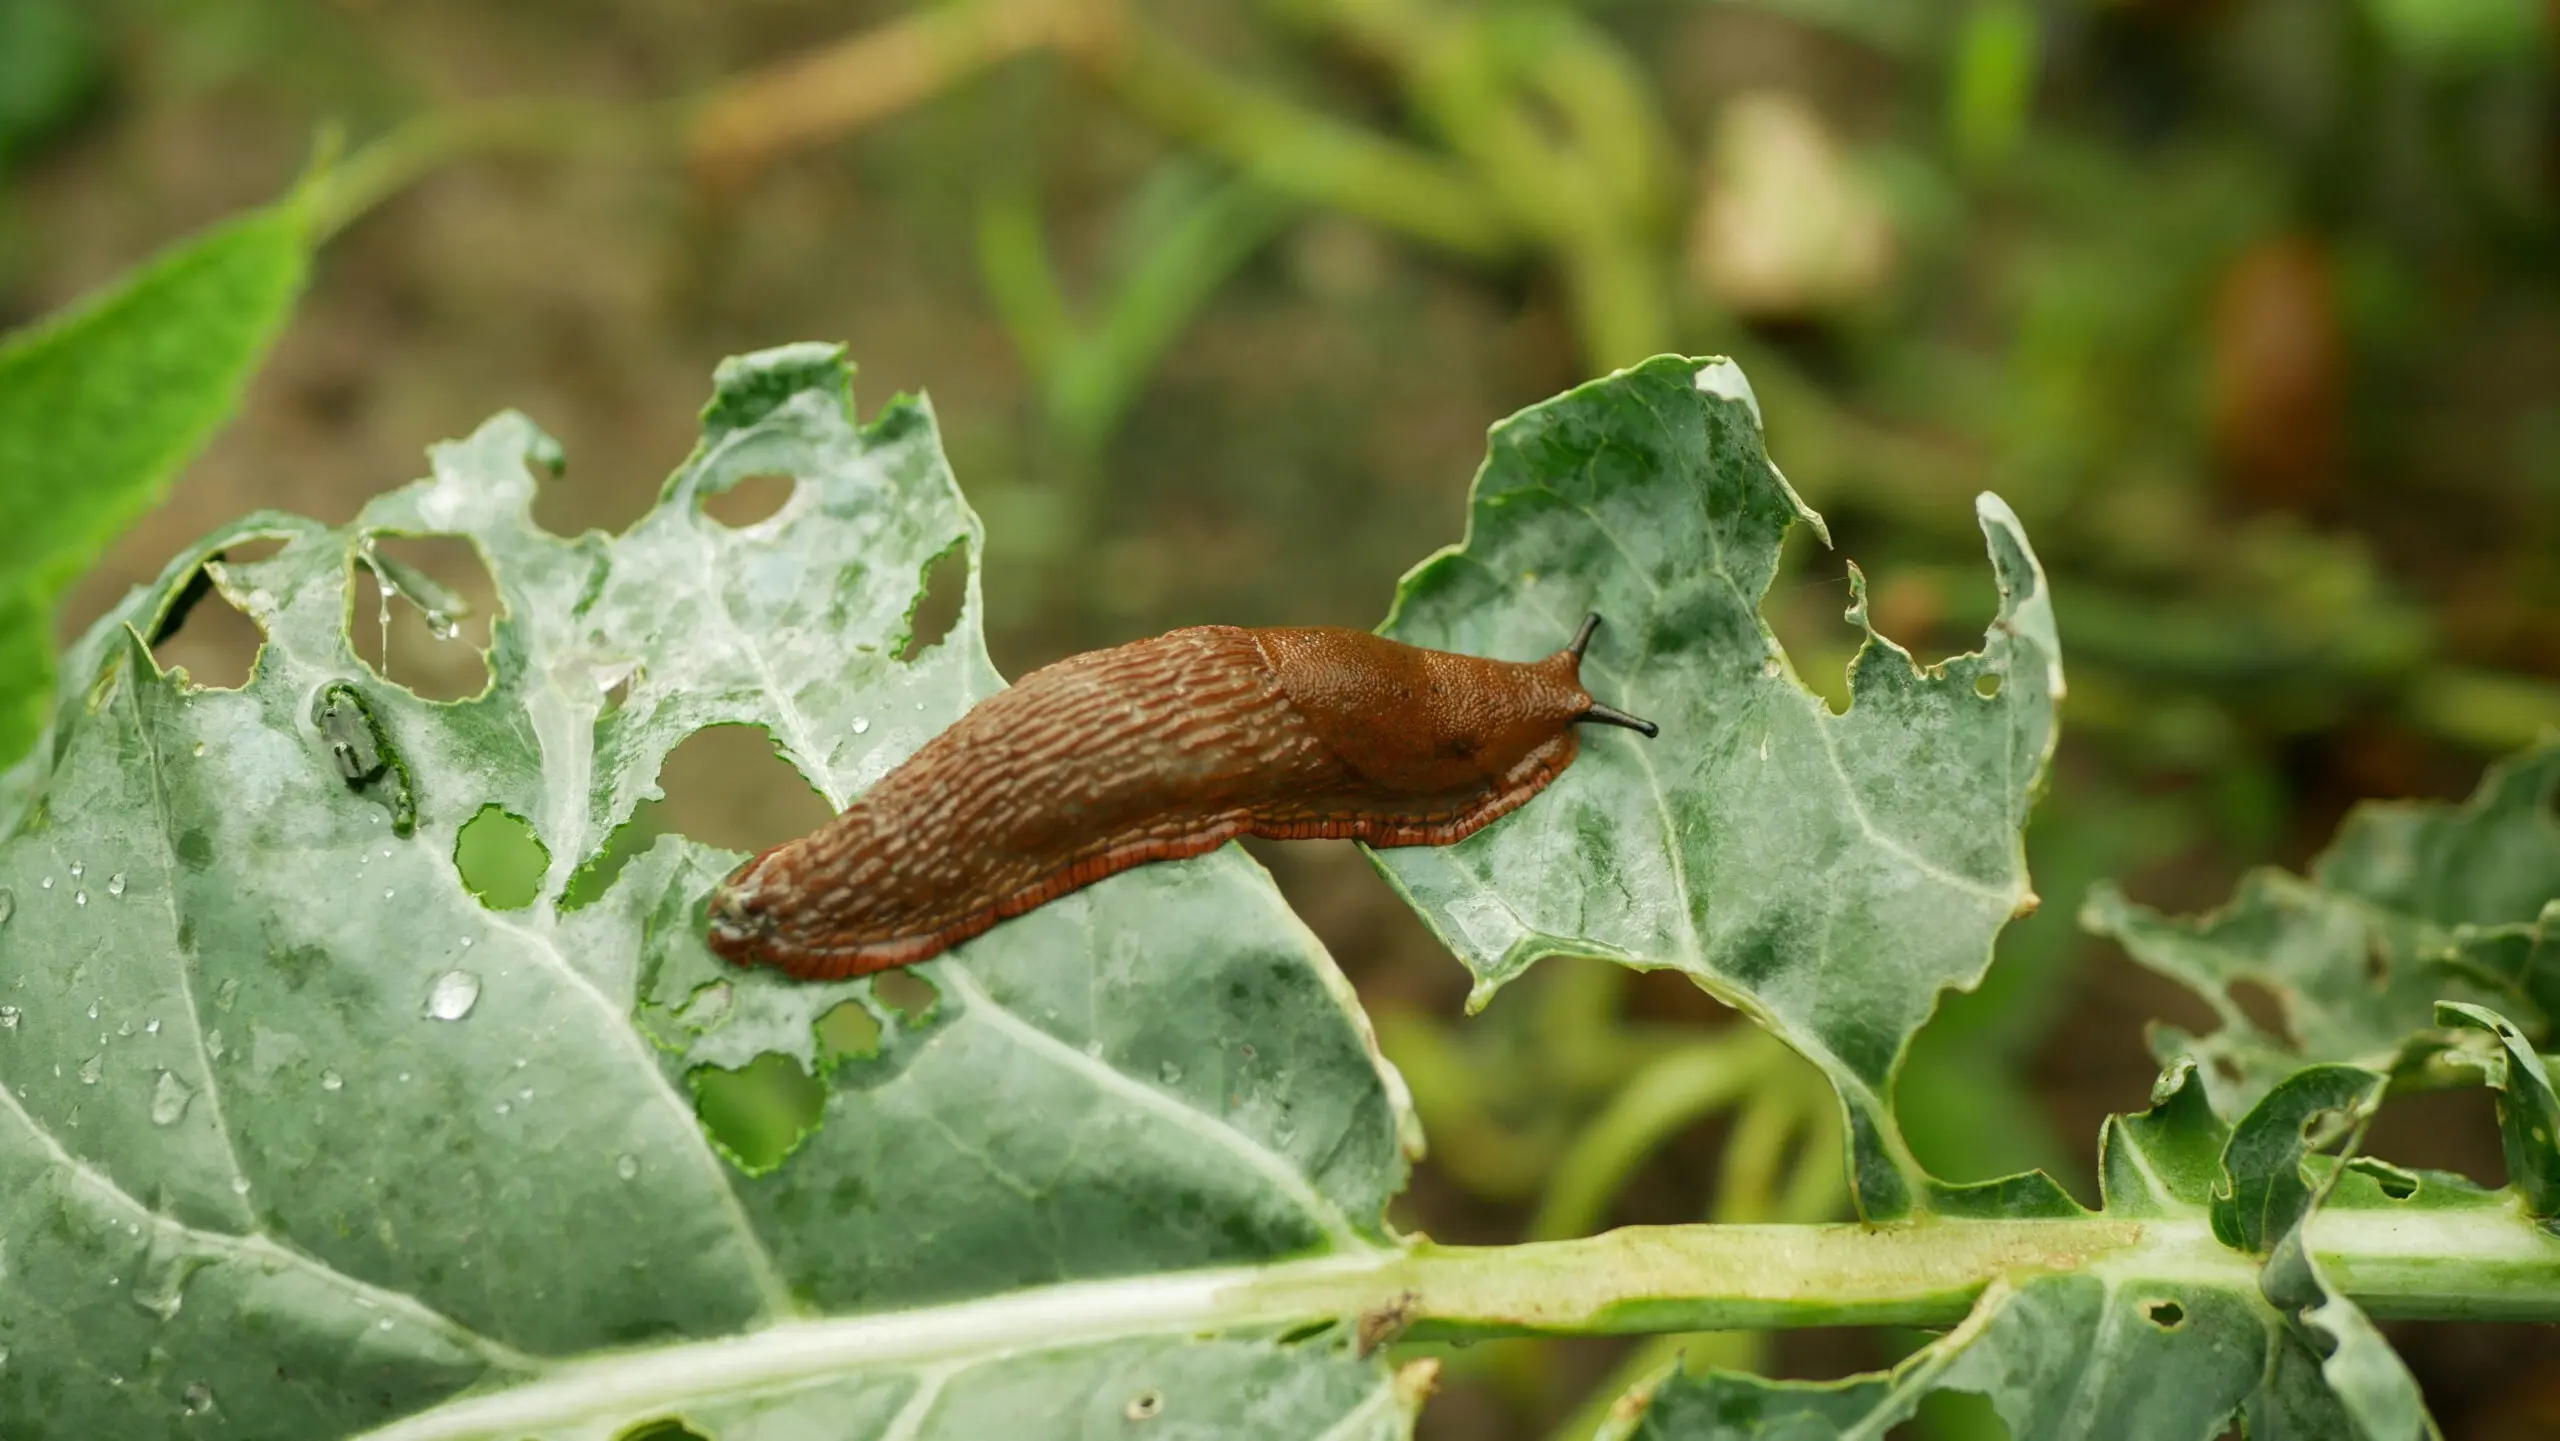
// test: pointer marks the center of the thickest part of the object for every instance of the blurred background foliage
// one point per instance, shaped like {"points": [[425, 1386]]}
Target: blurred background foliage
{"points": [[2249, 307]]}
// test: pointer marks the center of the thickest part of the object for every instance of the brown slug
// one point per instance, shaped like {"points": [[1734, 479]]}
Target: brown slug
{"points": [[1154, 751]]}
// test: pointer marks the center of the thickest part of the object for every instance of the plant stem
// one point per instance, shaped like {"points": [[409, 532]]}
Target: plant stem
{"points": [[1643, 1279]]}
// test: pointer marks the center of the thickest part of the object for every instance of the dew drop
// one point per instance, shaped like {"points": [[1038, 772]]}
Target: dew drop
{"points": [[48, 883], [199, 750], [93, 1010], [151, 1026], [382, 1325], [502, 1108], [92, 1068], [9, 1016], [627, 1167], [197, 1398], [77, 870], [239, 1185], [332, 1081], [861, 723], [115, 884], [79, 898], [453, 995], [466, 943], [1169, 1073], [386, 893], [442, 626], [169, 1098]]}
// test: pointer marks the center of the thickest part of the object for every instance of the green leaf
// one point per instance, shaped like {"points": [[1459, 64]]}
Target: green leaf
{"points": [[2154, 1343], [101, 405], [2528, 1110], [1828, 874], [298, 1136], [2412, 905]]}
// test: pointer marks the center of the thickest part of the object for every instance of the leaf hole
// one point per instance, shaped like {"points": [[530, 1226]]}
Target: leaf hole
{"points": [[592, 880], [617, 691], [2266, 1009], [750, 499], [1806, 620], [501, 860], [216, 645], [942, 590], [1987, 684], [420, 608], [2398, 1183], [729, 786], [760, 1112], [664, 1429], [1147, 1405], [905, 995], [1955, 1412], [847, 1032], [2167, 1315], [1306, 1331]]}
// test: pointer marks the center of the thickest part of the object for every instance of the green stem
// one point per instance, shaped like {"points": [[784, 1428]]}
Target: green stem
{"points": [[2481, 1265], [426, 144], [1666, 1096], [1301, 152]]}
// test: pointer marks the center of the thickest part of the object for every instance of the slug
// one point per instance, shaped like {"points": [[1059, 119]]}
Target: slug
{"points": [[1154, 751]]}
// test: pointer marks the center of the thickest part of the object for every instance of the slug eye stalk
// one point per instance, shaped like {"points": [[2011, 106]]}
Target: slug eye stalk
{"points": [[1612, 716], [1582, 637]]}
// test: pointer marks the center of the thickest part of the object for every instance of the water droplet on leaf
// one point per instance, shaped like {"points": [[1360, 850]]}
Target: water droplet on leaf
{"points": [[92, 1068], [169, 1098], [454, 994], [332, 1081], [861, 723], [79, 898], [9, 1018], [198, 1398], [627, 1167], [115, 884], [77, 869], [48, 883], [1169, 1073]]}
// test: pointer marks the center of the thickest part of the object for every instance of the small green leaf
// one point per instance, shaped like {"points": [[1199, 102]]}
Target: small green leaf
{"points": [[2264, 1193], [1828, 874], [101, 405], [2528, 1111]]}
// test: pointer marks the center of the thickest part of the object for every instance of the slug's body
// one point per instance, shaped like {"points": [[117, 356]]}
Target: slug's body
{"points": [[1154, 751]]}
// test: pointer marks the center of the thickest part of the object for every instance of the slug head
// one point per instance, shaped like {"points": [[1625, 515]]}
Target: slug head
{"points": [[1422, 722], [743, 925]]}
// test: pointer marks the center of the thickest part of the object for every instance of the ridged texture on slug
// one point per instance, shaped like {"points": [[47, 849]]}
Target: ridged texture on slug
{"points": [[1152, 751]]}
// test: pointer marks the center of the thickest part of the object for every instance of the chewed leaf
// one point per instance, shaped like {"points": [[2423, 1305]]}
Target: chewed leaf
{"points": [[2412, 906], [304, 1132], [1829, 874]]}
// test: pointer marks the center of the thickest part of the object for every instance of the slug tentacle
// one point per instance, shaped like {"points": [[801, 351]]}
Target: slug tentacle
{"points": [[1158, 750]]}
